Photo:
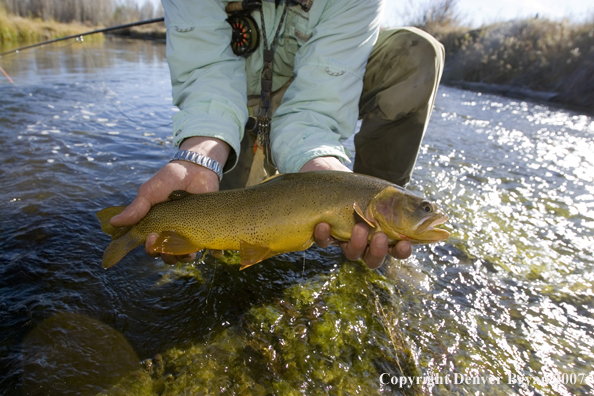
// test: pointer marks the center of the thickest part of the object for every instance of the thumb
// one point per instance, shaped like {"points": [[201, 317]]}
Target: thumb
{"points": [[133, 213], [153, 191]]}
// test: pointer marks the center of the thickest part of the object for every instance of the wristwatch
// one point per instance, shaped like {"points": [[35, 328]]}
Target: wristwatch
{"points": [[199, 159]]}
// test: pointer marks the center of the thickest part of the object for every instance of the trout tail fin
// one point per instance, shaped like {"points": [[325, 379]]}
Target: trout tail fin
{"points": [[122, 240]]}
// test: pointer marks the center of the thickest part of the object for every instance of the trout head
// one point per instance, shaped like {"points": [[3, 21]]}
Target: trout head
{"points": [[405, 216]]}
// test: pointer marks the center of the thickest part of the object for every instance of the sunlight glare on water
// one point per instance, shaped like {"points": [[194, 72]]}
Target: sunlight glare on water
{"points": [[516, 179]]}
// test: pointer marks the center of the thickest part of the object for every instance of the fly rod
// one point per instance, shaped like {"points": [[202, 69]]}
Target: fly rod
{"points": [[108, 29]]}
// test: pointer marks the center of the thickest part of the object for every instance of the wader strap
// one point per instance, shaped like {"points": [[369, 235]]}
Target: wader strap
{"points": [[264, 112], [305, 4]]}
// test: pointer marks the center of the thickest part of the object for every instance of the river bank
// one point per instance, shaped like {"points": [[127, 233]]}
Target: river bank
{"points": [[153, 31], [552, 99], [533, 58], [17, 30]]}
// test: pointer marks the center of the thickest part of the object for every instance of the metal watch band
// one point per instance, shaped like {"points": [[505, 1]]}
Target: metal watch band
{"points": [[199, 159]]}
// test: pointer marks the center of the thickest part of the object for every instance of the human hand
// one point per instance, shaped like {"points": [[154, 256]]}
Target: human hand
{"points": [[176, 175], [374, 252]]}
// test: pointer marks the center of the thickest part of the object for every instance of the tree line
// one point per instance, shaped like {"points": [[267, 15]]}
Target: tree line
{"points": [[95, 12]]}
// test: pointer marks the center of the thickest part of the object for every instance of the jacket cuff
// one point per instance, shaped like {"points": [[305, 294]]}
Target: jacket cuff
{"points": [[291, 160]]}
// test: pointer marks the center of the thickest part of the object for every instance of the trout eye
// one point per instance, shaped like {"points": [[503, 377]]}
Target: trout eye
{"points": [[427, 207]]}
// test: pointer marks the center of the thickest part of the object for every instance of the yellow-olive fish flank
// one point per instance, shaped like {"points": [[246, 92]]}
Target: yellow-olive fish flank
{"points": [[277, 216]]}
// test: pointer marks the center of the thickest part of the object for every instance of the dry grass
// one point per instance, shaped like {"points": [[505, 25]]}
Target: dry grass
{"points": [[15, 29], [154, 31], [538, 54]]}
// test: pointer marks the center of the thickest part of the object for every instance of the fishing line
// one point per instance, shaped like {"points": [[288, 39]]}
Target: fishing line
{"points": [[104, 89], [16, 53], [211, 283], [6, 74], [303, 273]]}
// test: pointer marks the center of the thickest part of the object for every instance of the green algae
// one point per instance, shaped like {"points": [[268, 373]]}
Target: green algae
{"points": [[334, 333], [181, 271]]}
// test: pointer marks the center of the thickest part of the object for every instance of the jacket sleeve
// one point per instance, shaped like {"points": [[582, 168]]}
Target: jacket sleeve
{"points": [[321, 107], [208, 80]]}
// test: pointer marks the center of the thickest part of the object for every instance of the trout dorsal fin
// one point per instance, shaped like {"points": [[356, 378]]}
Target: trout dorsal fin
{"points": [[252, 254], [271, 177], [358, 210]]}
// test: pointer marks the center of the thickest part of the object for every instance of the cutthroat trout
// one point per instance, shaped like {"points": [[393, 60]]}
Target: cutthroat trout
{"points": [[277, 216]]}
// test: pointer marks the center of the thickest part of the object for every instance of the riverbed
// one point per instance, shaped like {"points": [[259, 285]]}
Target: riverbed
{"points": [[504, 306]]}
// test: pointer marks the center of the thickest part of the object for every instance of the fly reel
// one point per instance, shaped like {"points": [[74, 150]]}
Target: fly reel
{"points": [[245, 38]]}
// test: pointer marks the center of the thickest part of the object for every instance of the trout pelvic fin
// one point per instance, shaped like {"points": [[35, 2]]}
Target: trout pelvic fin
{"points": [[358, 210], [252, 254], [170, 242]]}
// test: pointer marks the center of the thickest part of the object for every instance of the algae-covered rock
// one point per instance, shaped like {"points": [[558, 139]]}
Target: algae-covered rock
{"points": [[333, 334]]}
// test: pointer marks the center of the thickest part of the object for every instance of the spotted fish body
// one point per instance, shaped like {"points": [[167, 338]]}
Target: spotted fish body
{"points": [[276, 217]]}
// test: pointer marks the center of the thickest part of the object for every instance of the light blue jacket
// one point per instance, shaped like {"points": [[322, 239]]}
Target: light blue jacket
{"points": [[325, 50]]}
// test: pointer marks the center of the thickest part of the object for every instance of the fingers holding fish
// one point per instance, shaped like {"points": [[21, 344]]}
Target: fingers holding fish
{"points": [[402, 250], [322, 235], [173, 176], [357, 246], [176, 175], [377, 251], [373, 253]]}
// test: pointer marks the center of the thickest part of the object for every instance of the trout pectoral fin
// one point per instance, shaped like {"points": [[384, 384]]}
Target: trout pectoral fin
{"points": [[252, 254], [362, 215], [170, 242]]}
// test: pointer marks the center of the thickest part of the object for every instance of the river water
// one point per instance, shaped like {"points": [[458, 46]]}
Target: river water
{"points": [[505, 306]]}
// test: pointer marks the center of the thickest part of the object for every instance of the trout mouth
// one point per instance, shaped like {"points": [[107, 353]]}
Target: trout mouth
{"points": [[427, 223]]}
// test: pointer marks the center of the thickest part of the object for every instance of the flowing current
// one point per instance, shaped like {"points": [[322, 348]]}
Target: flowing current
{"points": [[505, 306]]}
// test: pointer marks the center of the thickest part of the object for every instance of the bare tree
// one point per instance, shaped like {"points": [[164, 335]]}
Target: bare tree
{"points": [[431, 14], [126, 11], [147, 11], [159, 12], [91, 11]]}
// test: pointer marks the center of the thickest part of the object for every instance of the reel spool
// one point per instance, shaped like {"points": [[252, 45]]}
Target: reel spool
{"points": [[245, 38]]}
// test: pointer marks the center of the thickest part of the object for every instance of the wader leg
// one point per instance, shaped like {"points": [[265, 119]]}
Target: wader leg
{"points": [[399, 89]]}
